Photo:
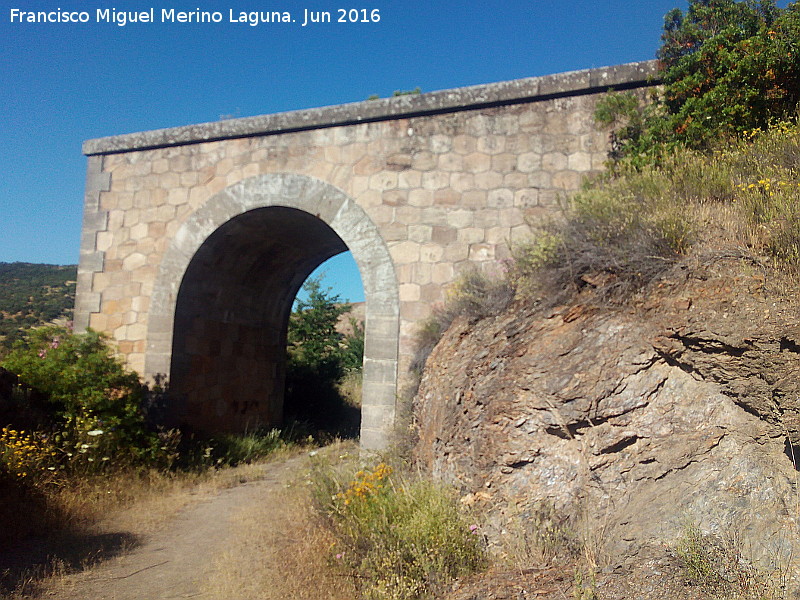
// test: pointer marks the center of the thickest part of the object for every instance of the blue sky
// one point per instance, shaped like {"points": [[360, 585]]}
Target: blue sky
{"points": [[61, 84]]}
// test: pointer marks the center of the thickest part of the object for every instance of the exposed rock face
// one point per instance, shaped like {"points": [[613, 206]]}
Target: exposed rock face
{"points": [[637, 420]]}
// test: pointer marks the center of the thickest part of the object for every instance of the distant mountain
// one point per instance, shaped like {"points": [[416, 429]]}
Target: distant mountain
{"points": [[33, 294], [357, 311]]}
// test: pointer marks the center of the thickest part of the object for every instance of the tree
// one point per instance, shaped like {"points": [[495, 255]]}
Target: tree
{"points": [[317, 358], [727, 68], [312, 336]]}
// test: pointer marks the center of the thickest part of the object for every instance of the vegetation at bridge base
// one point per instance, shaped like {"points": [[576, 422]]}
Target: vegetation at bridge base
{"points": [[398, 536], [323, 364], [73, 417], [72, 407], [93, 407]]}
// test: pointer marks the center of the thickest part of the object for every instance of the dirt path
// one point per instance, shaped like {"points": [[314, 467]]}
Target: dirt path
{"points": [[176, 561]]}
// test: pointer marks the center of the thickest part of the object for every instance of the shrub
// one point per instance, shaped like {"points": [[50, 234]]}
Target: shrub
{"points": [[636, 133], [95, 402], [727, 68], [615, 237], [473, 295], [477, 296], [401, 539], [352, 348], [767, 192], [625, 230]]}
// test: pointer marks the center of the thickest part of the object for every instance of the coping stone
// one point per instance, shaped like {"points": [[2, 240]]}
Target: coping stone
{"points": [[518, 91]]}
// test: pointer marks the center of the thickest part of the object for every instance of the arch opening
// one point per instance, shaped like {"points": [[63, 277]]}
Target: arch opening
{"points": [[270, 230]]}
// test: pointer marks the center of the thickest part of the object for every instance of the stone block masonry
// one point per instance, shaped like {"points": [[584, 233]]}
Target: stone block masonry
{"points": [[197, 238]]}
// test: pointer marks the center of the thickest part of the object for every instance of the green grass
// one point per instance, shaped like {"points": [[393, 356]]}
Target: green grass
{"points": [[720, 566], [399, 538], [232, 449]]}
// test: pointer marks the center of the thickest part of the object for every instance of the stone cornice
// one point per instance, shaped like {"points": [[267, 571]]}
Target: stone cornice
{"points": [[519, 91]]}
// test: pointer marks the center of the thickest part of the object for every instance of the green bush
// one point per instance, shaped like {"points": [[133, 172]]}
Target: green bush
{"points": [[401, 539], [726, 67], [96, 404], [318, 357], [352, 352]]}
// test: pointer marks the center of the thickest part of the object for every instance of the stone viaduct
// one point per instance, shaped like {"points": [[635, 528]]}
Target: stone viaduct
{"points": [[196, 239]]}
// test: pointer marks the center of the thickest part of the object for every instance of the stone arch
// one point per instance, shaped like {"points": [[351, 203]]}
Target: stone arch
{"points": [[301, 206]]}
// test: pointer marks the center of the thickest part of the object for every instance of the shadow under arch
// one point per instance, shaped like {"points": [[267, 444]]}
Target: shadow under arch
{"points": [[226, 284]]}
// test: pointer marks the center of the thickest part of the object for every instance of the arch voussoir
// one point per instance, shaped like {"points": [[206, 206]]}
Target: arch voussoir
{"points": [[348, 221]]}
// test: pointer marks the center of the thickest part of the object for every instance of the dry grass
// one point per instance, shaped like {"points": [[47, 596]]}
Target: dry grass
{"points": [[722, 568], [536, 535], [159, 496], [140, 501], [350, 388], [622, 232], [282, 551], [103, 517]]}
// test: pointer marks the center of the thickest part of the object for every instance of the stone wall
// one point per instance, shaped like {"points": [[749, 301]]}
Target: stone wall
{"points": [[422, 187]]}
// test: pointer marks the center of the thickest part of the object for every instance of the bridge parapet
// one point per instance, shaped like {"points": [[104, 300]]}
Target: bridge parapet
{"points": [[518, 91]]}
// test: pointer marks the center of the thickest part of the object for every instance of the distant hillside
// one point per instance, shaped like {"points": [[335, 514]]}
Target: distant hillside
{"points": [[33, 294], [357, 311]]}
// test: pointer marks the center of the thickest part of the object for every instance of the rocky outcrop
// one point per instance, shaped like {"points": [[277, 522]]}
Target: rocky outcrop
{"points": [[631, 422]]}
